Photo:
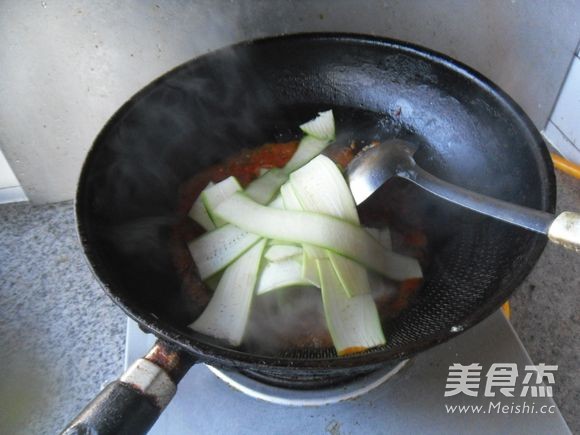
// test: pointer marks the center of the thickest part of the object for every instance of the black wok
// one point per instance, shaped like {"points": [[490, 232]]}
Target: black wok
{"points": [[471, 134]]}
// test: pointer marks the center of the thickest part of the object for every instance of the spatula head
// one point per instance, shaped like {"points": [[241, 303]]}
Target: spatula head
{"points": [[374, 166]]}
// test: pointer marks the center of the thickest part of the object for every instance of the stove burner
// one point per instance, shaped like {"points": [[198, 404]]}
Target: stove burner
{"points": [[318, 397]]}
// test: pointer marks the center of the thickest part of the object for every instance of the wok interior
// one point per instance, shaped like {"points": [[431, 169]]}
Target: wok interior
{"points": [[220, 104]]}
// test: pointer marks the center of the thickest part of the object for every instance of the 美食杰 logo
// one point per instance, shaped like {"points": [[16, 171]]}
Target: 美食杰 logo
{"points": [[501, 380]]}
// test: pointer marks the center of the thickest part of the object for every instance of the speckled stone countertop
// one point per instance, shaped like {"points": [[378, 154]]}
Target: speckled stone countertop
{"points": [[61, 338], [546, 312]]}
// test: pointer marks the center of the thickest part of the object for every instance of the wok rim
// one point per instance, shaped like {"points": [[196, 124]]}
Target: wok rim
{"points": [[222, 356]]}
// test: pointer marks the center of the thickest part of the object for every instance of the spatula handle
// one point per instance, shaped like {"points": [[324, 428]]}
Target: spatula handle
{"points": [[564, 230], [525, 217]]}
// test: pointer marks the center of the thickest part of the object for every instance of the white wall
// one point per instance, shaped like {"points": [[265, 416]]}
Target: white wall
{"points": [[563, 128], [67, 66]]}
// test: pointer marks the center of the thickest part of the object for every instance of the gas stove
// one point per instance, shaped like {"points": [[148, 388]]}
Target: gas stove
{"points": [[403, 398]]}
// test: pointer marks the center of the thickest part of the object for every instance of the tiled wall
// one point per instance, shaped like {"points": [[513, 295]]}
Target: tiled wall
{"points": [[563, 127]]}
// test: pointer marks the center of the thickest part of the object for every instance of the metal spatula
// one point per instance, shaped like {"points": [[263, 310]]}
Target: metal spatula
{"points": [[394, 158]]}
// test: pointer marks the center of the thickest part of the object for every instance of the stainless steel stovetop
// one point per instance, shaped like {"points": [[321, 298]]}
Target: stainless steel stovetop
{"points": [[410, 401]]}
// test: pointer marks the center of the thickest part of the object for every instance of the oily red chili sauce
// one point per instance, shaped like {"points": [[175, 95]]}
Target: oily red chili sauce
{"points": [[309, 331]]}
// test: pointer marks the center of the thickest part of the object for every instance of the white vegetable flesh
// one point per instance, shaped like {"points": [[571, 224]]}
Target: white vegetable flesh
{"points": [[309, 233], [214, 251], [321, 187], [199, 213], [263, 189], [216, 194], [228, 311], [353, 323], [278, 252], [322, 127], [280, 274], [323, 231]]}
